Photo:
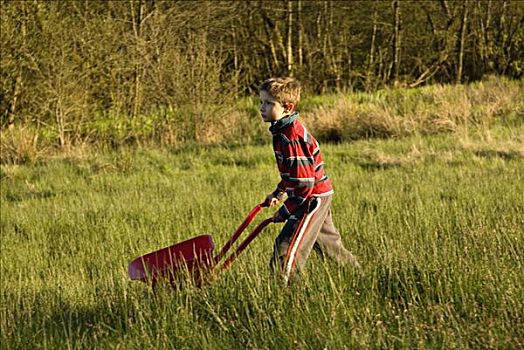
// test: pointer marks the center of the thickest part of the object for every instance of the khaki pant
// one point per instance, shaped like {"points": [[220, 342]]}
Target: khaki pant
{"points": [[311, 227]]}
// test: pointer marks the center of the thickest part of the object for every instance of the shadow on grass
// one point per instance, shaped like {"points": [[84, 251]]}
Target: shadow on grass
{"points": [[50, 321], [503, 154], [12, 196], [406, 285]]}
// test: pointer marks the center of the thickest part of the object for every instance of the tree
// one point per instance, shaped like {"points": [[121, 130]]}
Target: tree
{"points": [[63, 62]]}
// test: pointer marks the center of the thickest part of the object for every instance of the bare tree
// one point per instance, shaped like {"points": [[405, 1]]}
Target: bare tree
{"points": [[289, 48], [300, 35], [396, 41], [67, 63], [462, 41], [137, 9]]}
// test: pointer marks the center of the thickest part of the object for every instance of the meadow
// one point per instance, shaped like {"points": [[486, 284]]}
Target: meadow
{"points": [[437, 222]]}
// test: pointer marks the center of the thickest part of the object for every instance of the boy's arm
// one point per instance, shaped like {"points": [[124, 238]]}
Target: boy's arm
{"points": [[275, 197], [300, 162]]}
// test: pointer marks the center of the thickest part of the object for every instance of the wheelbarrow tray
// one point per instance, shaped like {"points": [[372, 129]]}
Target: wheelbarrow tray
{"points": [[185, 256], [192, 257]]}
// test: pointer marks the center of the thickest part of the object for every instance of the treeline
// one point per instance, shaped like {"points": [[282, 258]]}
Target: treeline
{"points": [[62, 62]]}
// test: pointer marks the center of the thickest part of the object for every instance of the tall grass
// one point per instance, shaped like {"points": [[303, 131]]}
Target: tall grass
{"points": [[436, 222], [387, 113], [427, 111]]}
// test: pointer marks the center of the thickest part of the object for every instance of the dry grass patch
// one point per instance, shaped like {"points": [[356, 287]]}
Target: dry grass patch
{"points": [[373, 158], [487, 144], [496, 149], [21, 145], [426, 111]]}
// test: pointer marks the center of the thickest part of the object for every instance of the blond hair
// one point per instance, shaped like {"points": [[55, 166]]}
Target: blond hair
{"points": [[284, 90]]}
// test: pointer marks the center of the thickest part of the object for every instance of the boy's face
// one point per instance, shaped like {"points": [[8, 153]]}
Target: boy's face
{"points": [[272, 110]]}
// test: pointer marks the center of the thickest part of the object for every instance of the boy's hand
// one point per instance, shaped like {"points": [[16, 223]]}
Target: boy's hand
{"points": [[271, 200], [277, 217]]}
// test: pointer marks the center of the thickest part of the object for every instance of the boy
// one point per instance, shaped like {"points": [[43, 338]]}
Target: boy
{"points": [[308, 190]]}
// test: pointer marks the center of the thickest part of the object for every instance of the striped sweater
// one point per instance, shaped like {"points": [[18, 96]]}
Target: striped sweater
{"points": [[300, 164]]}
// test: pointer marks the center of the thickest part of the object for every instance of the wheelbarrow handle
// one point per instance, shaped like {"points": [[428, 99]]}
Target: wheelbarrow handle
{"points": [[245, 243], [250, 217]]}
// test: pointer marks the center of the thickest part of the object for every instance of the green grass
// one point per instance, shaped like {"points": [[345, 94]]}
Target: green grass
{"points": [[437, 223]]}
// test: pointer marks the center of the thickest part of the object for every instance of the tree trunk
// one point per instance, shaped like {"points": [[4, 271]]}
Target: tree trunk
{"points": [[335, 56], [137, 24], [289, 51], [236, 68], [273, 37], [482, 33], [325, 47], [19, 81], [371, 57], [396, 41], [445, 7], [300, 35], [462, 42], [501, 40], [486, 36]]}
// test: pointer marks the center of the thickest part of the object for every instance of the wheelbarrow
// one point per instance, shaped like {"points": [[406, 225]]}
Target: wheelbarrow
{"points": [[194, 257]]}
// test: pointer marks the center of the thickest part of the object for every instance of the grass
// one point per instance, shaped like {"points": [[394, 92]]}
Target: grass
{"points": [[429, 110], [389, 113], [436, 222]]}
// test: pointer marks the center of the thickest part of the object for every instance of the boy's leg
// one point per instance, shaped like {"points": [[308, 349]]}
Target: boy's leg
{"points": [[329, 243], [314, 229], [281, 245], [294, 244]]}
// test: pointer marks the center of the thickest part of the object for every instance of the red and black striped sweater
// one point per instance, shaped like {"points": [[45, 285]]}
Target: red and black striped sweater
{"points": [[299, 161]]}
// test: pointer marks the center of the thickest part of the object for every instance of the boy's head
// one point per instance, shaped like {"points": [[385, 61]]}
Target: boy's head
{"points": [[279, 97]]}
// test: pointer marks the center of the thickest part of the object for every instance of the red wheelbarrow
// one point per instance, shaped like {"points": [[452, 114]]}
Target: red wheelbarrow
{"points": [[193, 257]]}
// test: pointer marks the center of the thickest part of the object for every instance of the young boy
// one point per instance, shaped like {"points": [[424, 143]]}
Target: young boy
{"points": [[308, 190]]}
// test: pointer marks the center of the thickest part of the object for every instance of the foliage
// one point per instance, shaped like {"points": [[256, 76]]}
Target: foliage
{"points": [[62, 62]]}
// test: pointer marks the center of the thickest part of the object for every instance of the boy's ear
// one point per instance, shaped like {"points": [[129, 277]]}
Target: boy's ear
{"points": [[289, 107]]}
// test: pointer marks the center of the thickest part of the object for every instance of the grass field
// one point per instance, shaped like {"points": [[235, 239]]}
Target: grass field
{"points": [[437, 223]]}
